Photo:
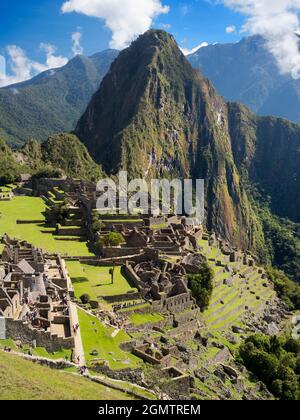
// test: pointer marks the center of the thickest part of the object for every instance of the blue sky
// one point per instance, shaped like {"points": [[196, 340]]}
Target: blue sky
{"points": [[31, 22], [36, 35]]}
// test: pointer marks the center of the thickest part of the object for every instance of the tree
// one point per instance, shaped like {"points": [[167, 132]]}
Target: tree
{"points": [[201, 285], [48, 172], [85, 298], [97, 224], [275, 361], [261, 363], [109, 240], [287, 289], [112, 272], [57, 214]]}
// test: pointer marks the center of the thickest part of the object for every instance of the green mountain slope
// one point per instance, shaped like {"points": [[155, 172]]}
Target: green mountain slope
{"points": [[60, 155], [267, 149], [53, 101], [23, 380], [156, 116], [63, 153]]}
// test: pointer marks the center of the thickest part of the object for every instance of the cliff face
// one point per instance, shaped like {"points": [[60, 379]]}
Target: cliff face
{"points": [[267, 151], [156, 116]]}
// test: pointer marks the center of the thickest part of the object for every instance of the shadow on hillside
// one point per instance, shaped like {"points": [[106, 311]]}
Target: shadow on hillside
{"points": [[78, 280]]}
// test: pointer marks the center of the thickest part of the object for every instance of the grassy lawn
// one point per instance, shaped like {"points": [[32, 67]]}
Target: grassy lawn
{"points": [[139, 319], [96, 281], [38, 351], [42, 352], [32, 208], [159, 226], [24, 380], [96, 336]]}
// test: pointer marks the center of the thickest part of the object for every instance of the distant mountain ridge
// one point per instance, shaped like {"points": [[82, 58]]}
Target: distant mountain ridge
{"points": [[247, 72], [53, 101]]}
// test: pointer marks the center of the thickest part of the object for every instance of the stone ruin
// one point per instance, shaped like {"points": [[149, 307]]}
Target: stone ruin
{"points": [[6, 196], [35, 293], [173, 240], [164, 286]]}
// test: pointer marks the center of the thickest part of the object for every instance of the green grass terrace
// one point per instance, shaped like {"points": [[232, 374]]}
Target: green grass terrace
{"points": [[36, 233], [24, 380], [106, 341], [96, 281]]}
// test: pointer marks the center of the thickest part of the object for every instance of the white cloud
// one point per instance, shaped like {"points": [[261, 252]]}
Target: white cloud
{"points": [[125, 18], [166, 26], [20, 65], [184, 9], [77, 49], [186, 51], [276, 21], [53, 61], [23, 68], [2, 66], [230, 29]]}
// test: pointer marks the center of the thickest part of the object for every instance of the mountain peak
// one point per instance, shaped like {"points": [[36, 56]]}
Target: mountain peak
{"points": [[156, 117], [156, 36], [152, 71]]}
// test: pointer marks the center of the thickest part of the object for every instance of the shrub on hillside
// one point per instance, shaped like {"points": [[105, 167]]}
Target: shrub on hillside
{"points": [[201, 285], [57, 214], [85, 299], [286, 288], [110, 239], [275, 361]]}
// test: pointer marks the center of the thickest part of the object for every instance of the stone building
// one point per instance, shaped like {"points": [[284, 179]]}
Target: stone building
{"points": [[164, 286], [35, 292]]}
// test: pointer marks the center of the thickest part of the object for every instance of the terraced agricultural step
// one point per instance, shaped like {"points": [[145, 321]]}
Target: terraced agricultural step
{"points": [[223, 308], [224, 297], [228, 321]]}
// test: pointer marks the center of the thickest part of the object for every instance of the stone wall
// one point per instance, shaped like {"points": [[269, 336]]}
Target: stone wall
{"points": [[2, 329], [184, 317], [67, 231], [177, 387], [147, 327], [163, 362], [185, 331], [128, 375], [173, 304], [123, 298], [18, 330], [131, 275], [111, 252]]}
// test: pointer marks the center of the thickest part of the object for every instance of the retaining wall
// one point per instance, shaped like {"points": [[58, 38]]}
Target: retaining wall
{"points": [[18, 330]]}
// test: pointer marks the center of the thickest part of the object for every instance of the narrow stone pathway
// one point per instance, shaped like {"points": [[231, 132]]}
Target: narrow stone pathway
{"points": [[78, 350], [115, 333]]}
